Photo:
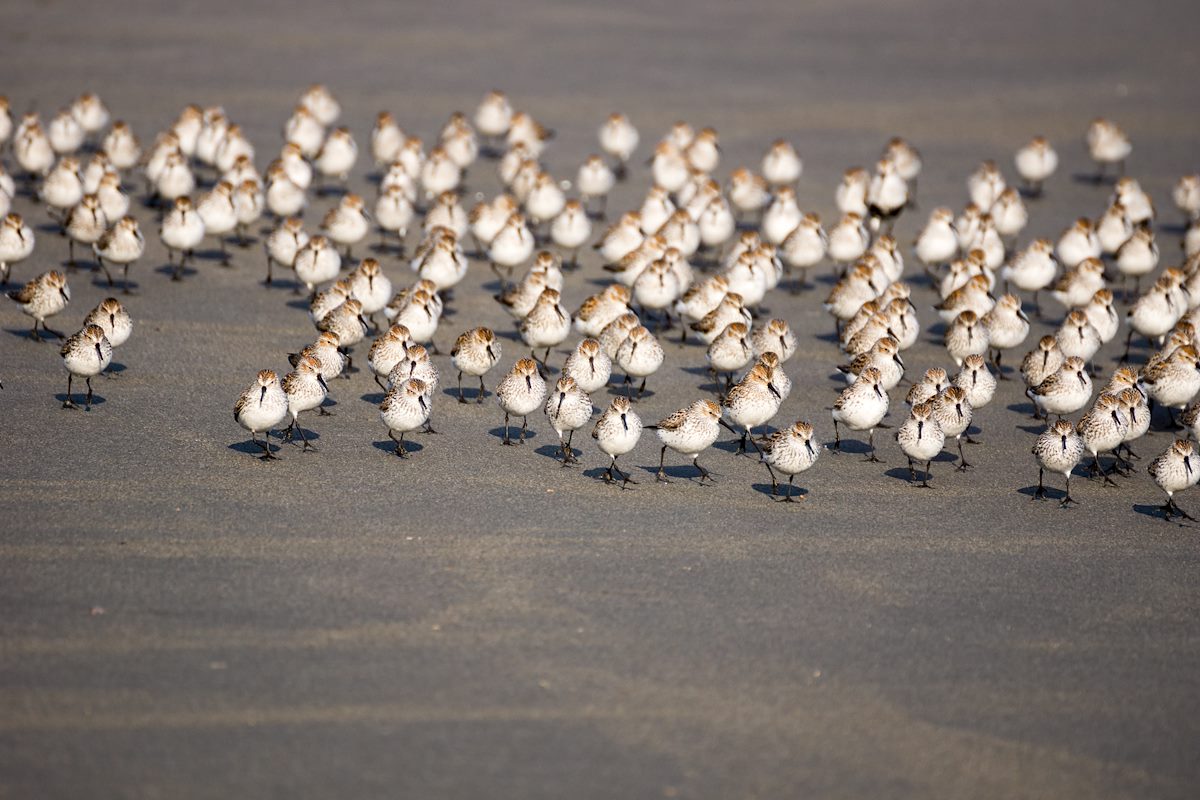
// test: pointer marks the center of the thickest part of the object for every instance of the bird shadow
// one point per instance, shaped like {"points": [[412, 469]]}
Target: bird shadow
{"points": [[300, 304], [796, 492], [116, 367], [514, 432], [685, 471], [1021, 408], [1052, 494], [283, 283], [169, 271], [1158, 512], [78, 397], [49, 227], [26, 333], [1093, 179], [471, 395], [389, 447], [554, 452], [512, 336], [619, 390], [250, 447], [849, 447], [1031, 428], [829, 336], [374, 398]]}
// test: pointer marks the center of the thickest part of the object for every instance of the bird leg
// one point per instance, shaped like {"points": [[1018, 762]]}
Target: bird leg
{"points": [[399, 451], [507, 440], [266, 444], [87, 403], [100, 265], [482, 391], [1173, 509], [307, 445], [1040, 494], [661, 477], [461, 399], [704, 474], [871, 443], [963, 466], [68, 403]]}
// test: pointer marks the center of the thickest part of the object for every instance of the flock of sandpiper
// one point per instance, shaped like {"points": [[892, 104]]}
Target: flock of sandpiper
{"points": [[696, 252]]}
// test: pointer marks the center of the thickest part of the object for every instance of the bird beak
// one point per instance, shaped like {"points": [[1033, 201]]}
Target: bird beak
{"points": [[774, 391], [321, 380], [561, 396], [808, 446], [1187, 464], [363, 322], [63, 292], [99, 352], [726, 426], [1082, 380], [421, 400], [262, 395], [528, 383], [624, 423], [876, 388]]}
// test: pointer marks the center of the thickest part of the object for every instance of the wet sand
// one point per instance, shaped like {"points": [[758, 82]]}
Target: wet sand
{"points": [[181, 620]]}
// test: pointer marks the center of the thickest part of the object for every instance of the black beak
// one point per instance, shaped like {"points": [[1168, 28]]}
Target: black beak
{"points": [[1082, 380], [774, 391], [876, 388], [421, 400], [99, 352], [808, 447], [262, 395], [726, 426], [528, 383], [1187, 464], [491, 355], [624, 423], [321, 380], [63, 292], [561, 396]]}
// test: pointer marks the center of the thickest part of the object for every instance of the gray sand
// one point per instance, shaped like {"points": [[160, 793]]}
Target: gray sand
{"points": [[477, 621]]}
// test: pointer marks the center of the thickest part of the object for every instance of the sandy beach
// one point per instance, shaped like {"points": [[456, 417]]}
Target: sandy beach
{"points": [[181, 620]]}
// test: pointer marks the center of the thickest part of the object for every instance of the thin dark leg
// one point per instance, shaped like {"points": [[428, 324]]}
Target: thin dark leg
{"points": [[507, 440], [871, 443], [482, 391], [100, 263], [662, 476], [788, 497], [1040, 494], [266, 443], [962, 461], [1177, 510], [1066, 501], [399, 451], [87, 403], [68, 403], [837, 437], [125, 280], [704, 474], [524, 428], [928, 473], [307, 446], [461, 399], [626, 478]]}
